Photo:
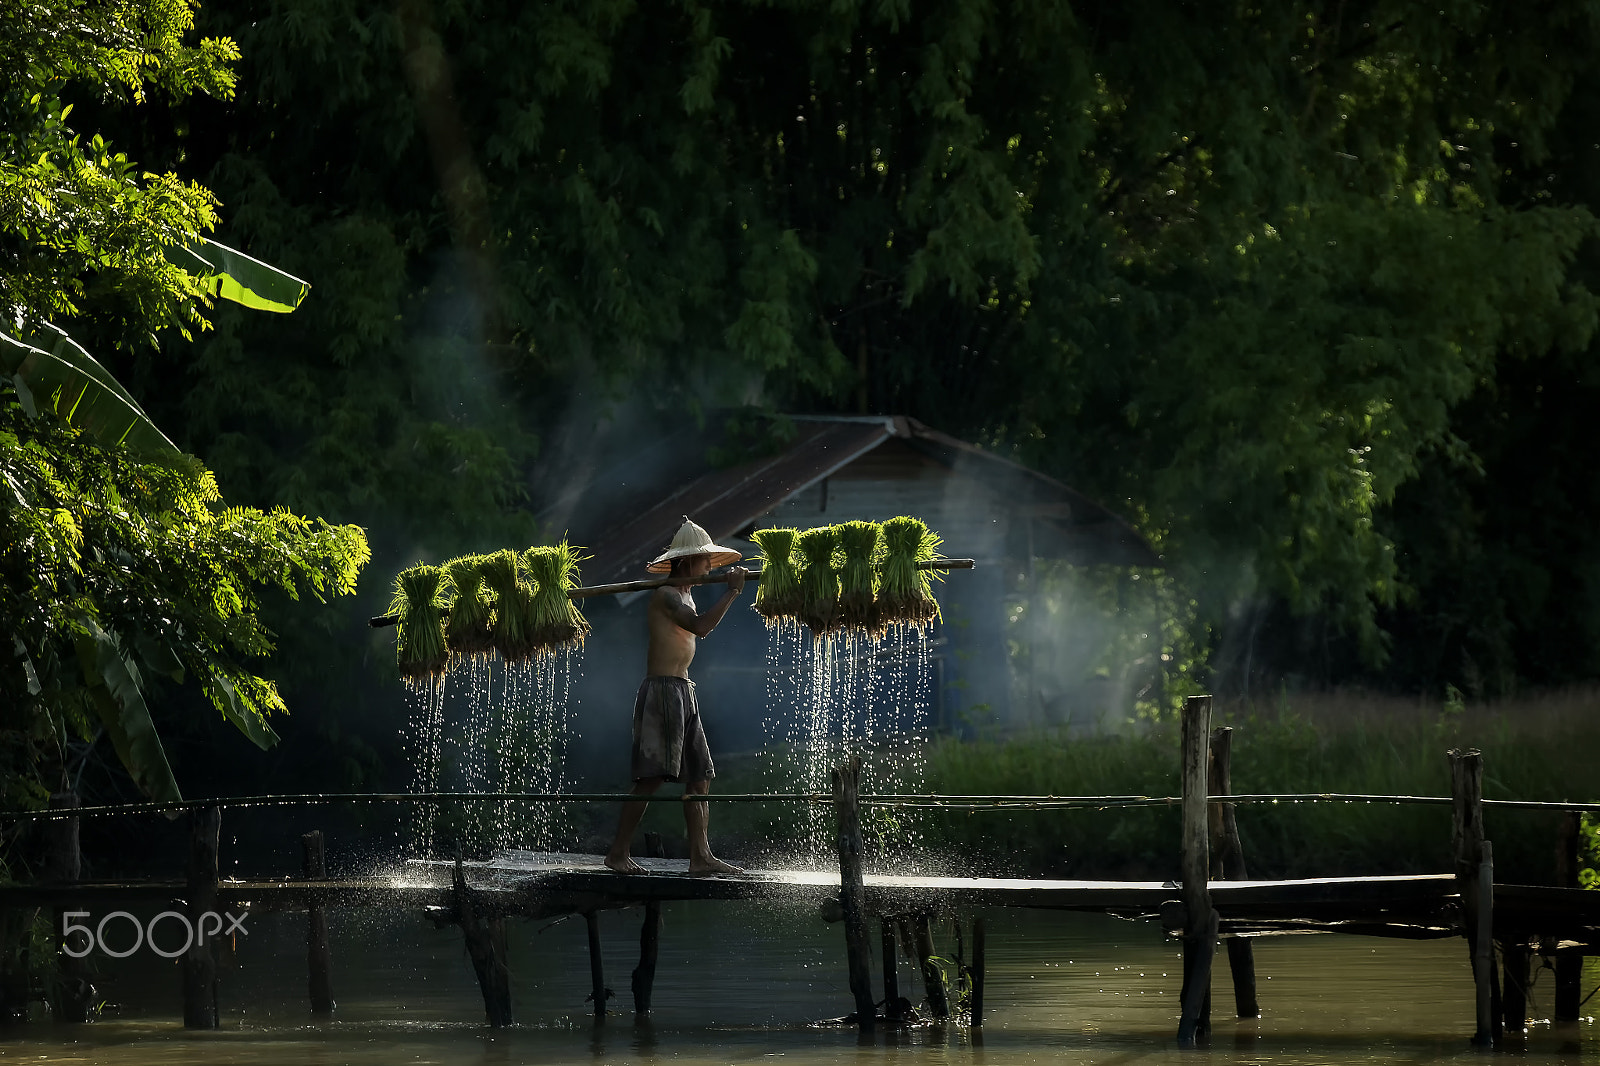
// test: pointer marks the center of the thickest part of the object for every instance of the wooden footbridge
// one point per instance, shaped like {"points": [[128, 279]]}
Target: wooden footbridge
{"points": [[1215, 903]]}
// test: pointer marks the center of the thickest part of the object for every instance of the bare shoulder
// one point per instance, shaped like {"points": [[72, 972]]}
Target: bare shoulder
{"points": [[671, 602]]}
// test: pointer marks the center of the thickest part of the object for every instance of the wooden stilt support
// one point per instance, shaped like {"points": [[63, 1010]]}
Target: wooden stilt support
{"points": [[644, 975], [200, 961], [1514, 996], [486, 946], [319, 956], [978, 936], [847, 812], [1200, 920], [932, 975], [598, 992], [1227, 862], [71, 993], [1569, 968], [891, 972], [1472, 856]]}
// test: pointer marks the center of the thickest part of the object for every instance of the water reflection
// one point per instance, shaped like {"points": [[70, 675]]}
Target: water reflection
{"points": [[744, 983]]}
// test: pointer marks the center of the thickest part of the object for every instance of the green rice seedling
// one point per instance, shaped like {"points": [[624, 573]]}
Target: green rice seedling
{"points": [[905, 593], [778, 594], [858, 583], [819, 579], [468, 632], [557, 622], [512, 632], [421, 600]]}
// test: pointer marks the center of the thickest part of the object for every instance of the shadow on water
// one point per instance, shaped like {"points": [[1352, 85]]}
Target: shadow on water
{"points": [[743, 983]]}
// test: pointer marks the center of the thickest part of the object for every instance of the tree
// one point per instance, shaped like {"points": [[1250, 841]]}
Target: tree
{"points": [[1227, 268], [118, 562]]}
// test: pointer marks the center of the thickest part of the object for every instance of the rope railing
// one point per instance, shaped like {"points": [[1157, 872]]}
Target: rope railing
{"points": [[916, 801]]}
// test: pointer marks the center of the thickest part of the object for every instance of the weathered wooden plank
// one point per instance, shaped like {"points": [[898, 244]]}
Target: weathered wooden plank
{"points": [[199, 968], [847, 817], [319, 955], [1200, 924], [1228, 861], [1568, 969]]}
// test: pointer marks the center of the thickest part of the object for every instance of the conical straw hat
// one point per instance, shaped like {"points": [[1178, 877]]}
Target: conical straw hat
{"points": [[692, 540]]}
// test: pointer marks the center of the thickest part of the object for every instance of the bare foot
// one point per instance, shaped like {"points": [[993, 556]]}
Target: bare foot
{"points": [[714, 866], [623, 864]]}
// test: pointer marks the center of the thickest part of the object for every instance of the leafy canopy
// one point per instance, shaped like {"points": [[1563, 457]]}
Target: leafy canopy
{"points": [[119, 563]]}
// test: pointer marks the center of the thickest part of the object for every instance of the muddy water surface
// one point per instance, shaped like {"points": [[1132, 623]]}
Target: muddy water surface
{"points": [[743, 984]]}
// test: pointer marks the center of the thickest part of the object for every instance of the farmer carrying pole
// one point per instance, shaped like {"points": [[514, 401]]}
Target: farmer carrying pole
{"points": [[669, 743]]}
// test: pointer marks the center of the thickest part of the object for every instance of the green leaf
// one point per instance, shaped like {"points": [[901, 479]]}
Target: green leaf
{"points": [[62, 376], [114, 689], [232, 275], [246, 720]]}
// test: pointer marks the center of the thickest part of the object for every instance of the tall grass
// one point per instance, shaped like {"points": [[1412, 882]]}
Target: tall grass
{"points": [[1539, 749], [1543, 748]]}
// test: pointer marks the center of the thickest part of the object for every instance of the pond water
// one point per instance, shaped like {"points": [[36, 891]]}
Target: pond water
{"points": [[743, 983]]}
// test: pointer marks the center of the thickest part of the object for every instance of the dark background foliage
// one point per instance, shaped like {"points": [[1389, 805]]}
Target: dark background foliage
{"points": [[1304, 290]]}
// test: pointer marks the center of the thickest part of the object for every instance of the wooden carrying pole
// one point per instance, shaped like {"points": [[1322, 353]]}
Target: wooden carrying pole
{"points": [[1200, 919], [847, 812], [1472, 867], [1228, 863], [646, 584]]}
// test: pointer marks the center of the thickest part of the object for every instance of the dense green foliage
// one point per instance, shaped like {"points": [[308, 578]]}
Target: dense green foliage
{"points": [[1532, 750], [119, 563], [1232, 270], [115, 573]]}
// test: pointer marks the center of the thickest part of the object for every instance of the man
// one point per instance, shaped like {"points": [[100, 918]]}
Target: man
{"points": [[669, 743]]}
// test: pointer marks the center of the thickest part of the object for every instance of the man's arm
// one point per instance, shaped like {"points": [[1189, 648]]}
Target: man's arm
{"points": [[684, 616]]}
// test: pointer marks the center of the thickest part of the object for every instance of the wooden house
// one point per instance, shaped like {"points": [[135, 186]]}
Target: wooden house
{"points": [[835, 468]]}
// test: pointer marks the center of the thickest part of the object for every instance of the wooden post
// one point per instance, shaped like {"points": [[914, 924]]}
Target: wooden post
{"points": [[71, 993], [1514, 997], [847, 812], [891, 971], [932, 975], [1569, 968], [200, 961], [644, 975], [1200, 920], [1228, 862], [978, 936], [597, 967], [1472, 853], [319, 956], [486, 946]]}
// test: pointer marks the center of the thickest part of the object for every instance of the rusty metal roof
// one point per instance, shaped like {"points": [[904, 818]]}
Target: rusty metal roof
{"points": [[725, 501], [627, 516]]}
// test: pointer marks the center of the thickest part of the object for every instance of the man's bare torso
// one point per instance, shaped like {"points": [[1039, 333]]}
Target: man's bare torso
{"points": [[671, 646]]}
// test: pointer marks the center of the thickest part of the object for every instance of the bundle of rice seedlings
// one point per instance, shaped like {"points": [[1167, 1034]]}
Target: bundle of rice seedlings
{"points": [[819, 579], [468, 632], [905, 594], [858, 543], [421, 600], [557, 622], [512, 631], [778, 594]]}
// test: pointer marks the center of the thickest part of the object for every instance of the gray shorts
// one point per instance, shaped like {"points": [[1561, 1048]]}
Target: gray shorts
{"points": [[668, 739]]}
